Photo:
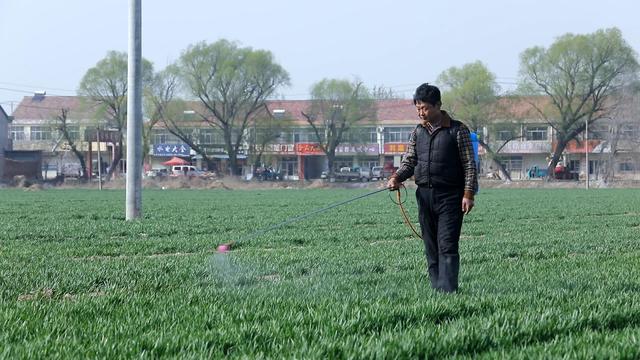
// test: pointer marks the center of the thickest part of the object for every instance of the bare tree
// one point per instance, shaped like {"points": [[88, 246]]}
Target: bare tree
{"points": [[164, 107], [267, 128], [106, 84], [336, 107], [232, 85], [62, 125], [579, 73], [471, 94]]}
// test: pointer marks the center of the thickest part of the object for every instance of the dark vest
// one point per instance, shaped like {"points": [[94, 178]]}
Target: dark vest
{"points": [[438, 156]]}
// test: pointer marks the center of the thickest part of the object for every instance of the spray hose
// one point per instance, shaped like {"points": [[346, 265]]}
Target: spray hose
{"points": [[403, 211], [226, 247]]}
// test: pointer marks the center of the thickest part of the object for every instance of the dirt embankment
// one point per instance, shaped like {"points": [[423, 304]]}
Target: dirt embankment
{"points": [[229, 183]]}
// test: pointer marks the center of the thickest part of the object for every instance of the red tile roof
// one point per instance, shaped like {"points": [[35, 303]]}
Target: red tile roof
{"points": [[47, 107], [389, 112]]}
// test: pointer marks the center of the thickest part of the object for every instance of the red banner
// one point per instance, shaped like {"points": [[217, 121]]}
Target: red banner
{"points": [[308, 149], [574, 148], [395, 148]]}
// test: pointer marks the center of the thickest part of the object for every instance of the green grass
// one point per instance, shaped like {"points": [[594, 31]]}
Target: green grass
{"points": [[545, 273]]}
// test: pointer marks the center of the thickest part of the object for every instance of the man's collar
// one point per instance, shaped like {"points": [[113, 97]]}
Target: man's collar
{"points": [[445, 121]]}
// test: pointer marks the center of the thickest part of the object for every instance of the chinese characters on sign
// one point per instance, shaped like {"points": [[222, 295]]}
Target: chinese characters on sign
{"points": [[280, 148], [395, 148], [308, 149], [527, 147], [370, 149], [171, 149], [314, 149]]}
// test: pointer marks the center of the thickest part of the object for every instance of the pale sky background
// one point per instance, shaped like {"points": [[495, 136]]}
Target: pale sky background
{"points": [[50, 44]]}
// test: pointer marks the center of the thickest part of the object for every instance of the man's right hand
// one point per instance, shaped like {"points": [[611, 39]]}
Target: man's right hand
{"points": [[393, 183]]}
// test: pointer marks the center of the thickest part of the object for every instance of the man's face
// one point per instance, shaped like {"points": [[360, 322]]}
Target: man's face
{"points": [[427, 111]]}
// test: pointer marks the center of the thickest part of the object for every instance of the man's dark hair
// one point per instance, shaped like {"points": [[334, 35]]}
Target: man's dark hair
{"points": [[428, 94]]}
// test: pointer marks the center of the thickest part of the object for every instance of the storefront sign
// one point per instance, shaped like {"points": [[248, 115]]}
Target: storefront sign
{"points": [[314, 149], [399, 148], [171, 150], [280, 148], [526, 147], [308, 149], [369, 149], [573, 147], [108, 136]]}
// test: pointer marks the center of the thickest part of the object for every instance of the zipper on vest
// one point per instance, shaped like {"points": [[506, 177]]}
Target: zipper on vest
{"points": [[431, 138]]}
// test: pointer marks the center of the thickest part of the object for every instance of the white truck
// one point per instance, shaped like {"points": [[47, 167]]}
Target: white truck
{"points": [[355, 174]]}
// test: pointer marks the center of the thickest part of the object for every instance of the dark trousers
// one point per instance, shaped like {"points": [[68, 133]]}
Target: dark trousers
{"points": [[440, 211]]}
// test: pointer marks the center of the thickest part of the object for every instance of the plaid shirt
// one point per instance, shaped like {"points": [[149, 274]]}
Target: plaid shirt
{"points": [[465, 151]]}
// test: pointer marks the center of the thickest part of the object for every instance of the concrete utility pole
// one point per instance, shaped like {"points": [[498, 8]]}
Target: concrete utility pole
{"points": [[99, 159], [586, 151], [134, 114]]}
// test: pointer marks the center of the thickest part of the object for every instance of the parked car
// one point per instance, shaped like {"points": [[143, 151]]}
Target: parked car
{"points": [[377, 173], [186, 170], [388, 170], [267, 173], [356, 173], [157, 173]]}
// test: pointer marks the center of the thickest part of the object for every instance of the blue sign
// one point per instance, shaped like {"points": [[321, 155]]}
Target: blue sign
{"points": [[475, 143], [171, 150]]}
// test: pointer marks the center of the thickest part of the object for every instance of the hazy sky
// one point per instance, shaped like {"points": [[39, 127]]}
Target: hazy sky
{"points": [[50, 44]]}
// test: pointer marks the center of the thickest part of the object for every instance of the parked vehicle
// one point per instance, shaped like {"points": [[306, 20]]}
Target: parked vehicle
{"points": [[73, 170], [377, 173], [268, 174], [356, 173], [186, 170], [388, 170], [157, 173]]}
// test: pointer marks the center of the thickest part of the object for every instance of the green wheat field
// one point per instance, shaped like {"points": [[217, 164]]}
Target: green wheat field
{"points": [[544, 274]]}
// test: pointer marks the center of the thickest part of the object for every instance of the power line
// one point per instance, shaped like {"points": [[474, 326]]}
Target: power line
{"points": [[36, 87], [27, 91]]}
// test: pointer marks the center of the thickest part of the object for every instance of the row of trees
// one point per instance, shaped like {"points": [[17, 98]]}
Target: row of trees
{"points": [[582, 76], [230, 84]]}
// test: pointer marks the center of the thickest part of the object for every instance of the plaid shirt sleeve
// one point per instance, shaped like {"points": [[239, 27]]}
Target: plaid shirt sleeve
{"points": [[465, 148], [409, 160]]}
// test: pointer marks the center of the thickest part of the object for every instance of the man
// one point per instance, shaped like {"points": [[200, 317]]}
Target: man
{"points": [[440, 157]]}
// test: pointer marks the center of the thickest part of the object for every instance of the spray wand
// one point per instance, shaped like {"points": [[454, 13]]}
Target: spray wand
{"points": [[226, 247]]}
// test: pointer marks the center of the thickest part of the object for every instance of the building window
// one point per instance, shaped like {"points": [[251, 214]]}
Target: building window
{"points": [[361, 135], [513, 164], [74, 132], [289, 166], [211, 137], [536, 133], [40, 133], [303, 135], [596, 166], [629, 131], [505, 135], [369, 164], [164, 137], [627, 165], [598, 131], [397, 134], [373, 135], [574, 166], [160, 137], [17, 132]]}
